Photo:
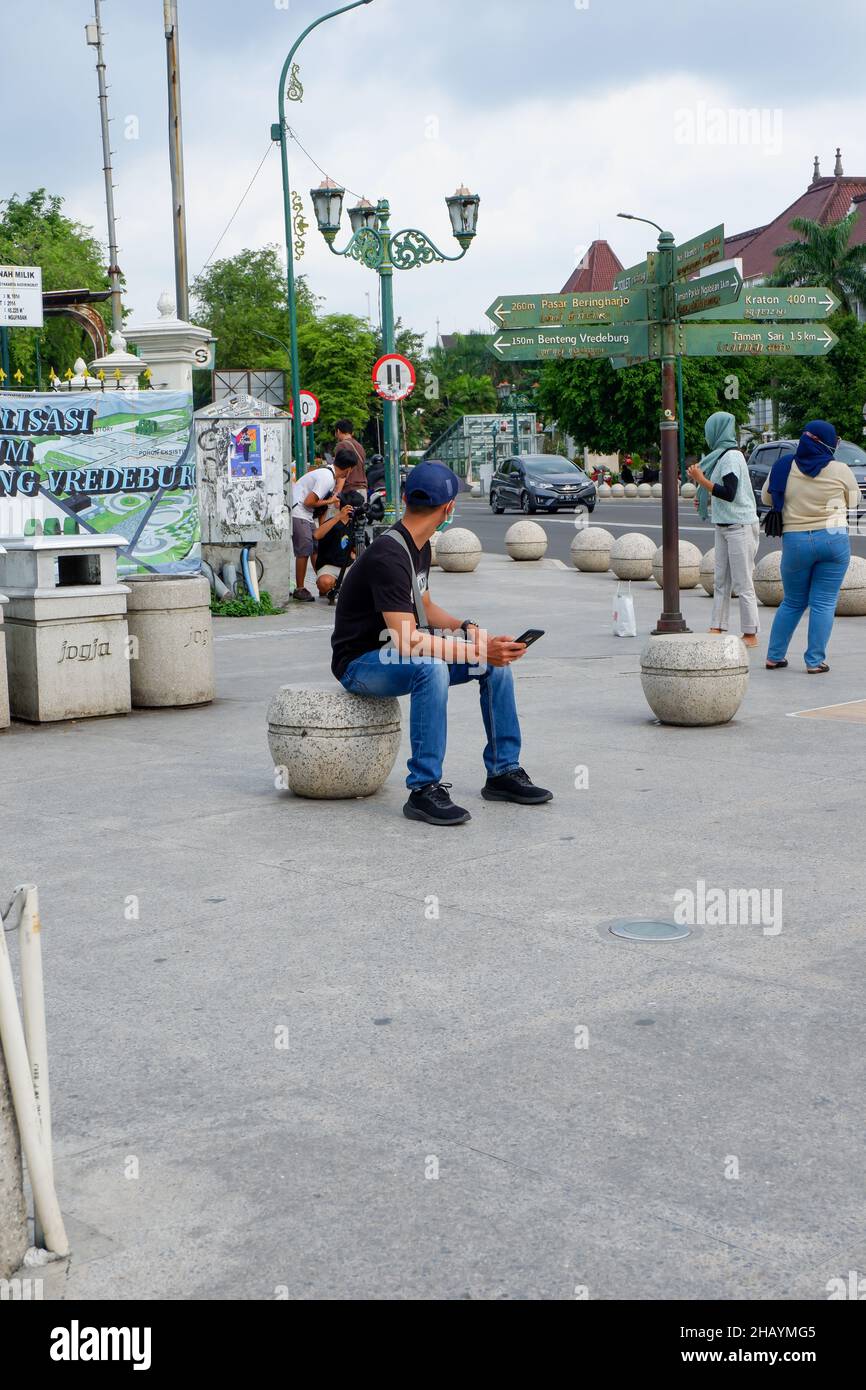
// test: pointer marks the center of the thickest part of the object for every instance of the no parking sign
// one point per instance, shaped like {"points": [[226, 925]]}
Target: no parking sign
{"points": [[394, 377]]}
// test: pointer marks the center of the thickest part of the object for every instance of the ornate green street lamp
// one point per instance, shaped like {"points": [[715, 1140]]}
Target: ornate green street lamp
{"points": [[375, 246], [514, 401], [290, 87]]}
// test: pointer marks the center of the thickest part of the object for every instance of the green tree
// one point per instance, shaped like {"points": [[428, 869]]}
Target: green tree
{"points": [[34, 231], [609, 411], [824, 256], [245, 293], [826, 388], [337, 353]]}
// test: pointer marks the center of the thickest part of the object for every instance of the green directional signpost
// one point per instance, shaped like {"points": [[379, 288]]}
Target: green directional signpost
{"points": [[708, 291], [657, 310], [755, 340], [565, 310], [545, 344], [803, 303]]}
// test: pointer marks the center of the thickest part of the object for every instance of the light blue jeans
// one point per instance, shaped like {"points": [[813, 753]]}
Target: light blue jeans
{"points": [[814, 563], [428, 681]]}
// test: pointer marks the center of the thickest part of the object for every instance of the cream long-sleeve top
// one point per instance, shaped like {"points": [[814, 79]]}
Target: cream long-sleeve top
{"points": [[819, 503]]}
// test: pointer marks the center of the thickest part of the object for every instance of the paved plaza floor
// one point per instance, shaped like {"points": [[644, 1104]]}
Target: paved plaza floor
{"points": [[314, 1050]]}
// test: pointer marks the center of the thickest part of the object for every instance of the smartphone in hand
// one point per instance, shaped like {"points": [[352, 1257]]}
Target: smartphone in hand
{"points": [[531, 635]]}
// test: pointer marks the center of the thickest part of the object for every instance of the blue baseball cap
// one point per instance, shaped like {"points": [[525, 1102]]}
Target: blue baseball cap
{"points": [[431, 485]]}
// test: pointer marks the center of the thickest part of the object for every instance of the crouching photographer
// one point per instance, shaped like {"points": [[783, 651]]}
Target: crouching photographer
{"points": [[341, 536]]}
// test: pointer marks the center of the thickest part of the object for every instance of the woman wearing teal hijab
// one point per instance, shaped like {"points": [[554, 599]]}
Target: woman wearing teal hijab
{"points": [[725, 494]]}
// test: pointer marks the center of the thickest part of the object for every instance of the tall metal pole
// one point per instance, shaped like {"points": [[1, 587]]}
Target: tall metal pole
{"points": [[682, 417], [279, 133], [389, 345], [175, 159], [671, 619], [113, 267]]}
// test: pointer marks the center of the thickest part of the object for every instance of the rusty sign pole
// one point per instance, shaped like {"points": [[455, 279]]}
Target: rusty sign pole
{"points": [[671, 619], [175, 155]]}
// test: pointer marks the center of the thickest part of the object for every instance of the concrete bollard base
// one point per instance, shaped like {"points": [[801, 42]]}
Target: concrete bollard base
{"points": [[171, 632]]}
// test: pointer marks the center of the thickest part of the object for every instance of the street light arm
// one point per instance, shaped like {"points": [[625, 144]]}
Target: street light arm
{"points": [[296, 45], [367, 246], [411, 248]]}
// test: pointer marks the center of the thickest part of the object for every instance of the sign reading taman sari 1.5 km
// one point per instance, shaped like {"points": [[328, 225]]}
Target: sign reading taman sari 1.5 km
{"points": [[628, 340], [754, 340]]}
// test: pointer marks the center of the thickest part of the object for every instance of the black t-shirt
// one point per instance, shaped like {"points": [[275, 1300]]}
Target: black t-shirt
{"points": [[380, 581], [335, 548]]}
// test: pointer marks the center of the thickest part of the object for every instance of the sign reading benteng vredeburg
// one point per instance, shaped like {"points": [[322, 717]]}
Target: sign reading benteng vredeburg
{"points": [[115, 462]]}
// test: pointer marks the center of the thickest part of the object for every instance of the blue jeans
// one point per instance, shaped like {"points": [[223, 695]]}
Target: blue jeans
{"points": [[814, 563], [428, 680]]}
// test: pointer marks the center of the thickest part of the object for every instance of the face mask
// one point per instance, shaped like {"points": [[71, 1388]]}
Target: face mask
{"points": [[446, 523]]}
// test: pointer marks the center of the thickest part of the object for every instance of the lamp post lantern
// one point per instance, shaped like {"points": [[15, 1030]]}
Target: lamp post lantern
{"points": [[375, 246], [513, 400], [279, 134]]}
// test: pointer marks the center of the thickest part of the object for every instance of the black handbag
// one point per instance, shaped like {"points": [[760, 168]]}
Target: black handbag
{"points": [[772, 523]]}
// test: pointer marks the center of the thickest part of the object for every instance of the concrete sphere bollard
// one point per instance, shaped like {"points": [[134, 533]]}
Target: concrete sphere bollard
{"points": [[590, 550], [434, 540], [458, 550], [631, 556], [694, 679], [644, 490], [631, 489], [617, 492], [603, 489], [475, 490], [657, 489], [526, 540], [768, 579], [331, 745], [708, 573], [688, 490], [170, 619], [690, 565], [852, 596]]}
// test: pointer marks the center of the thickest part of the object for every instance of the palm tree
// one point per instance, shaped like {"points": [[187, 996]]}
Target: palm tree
{"points": [[822, 255]]}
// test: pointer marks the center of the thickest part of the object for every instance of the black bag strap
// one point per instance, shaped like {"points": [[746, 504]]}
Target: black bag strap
{"points": [[417, 595]]}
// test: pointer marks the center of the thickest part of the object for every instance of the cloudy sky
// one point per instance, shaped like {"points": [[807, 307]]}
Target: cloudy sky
{"points": [[560, 113]]}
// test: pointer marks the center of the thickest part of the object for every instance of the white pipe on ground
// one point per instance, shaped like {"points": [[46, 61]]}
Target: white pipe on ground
{"points": [[45, 1201], [35, 1031]]}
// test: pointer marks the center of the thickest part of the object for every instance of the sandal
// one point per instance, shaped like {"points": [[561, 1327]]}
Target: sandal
{"points": [[750, 639], [776, 665], [817, 670]]}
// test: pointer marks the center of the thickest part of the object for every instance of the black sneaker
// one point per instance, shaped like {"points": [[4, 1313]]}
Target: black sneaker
{"points": [[433, 805], [515, 786], [303, 596]]}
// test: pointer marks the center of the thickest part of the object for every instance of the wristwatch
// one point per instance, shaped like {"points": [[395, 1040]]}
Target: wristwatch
{"points": [[466, 625]]}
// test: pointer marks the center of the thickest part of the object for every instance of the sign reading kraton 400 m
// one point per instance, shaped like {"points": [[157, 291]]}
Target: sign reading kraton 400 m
{"points": [[115, 462]]}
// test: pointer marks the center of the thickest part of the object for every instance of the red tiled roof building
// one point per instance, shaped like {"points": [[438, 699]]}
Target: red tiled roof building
{"points": [[596, 271], [826, 200]]}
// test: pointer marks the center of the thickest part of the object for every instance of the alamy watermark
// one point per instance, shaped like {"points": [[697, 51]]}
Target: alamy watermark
{"points": [[729, 907]]}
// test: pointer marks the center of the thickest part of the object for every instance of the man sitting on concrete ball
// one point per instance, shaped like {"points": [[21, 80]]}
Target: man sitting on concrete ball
{"points": [[390, 638]]}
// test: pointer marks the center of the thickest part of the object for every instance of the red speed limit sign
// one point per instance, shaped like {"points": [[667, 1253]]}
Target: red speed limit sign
{"points": [[394, 377], [309, 408]]}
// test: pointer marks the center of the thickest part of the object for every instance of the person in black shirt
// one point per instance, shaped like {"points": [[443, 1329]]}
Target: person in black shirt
{"points": [[390, 638], [334, 538]]}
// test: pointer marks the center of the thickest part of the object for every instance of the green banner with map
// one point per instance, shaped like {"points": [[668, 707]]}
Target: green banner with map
{"points": [[115, 461]]}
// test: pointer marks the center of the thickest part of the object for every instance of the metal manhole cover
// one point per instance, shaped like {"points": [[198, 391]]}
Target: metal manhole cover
{"points": [[641, 930]]}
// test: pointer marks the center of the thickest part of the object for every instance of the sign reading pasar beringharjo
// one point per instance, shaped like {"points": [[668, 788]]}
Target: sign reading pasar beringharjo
{"points": [[114, 461]]}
